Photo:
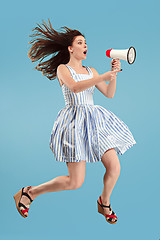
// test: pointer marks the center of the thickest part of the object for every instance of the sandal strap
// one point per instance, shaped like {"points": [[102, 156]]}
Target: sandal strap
{"points": [[112, 215], [22, 205], [103, 205], [25, 208], [110, 220], [26, 194], [109, 206]]}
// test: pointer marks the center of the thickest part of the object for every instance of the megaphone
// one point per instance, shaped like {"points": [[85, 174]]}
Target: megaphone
{"points": [[128, 55]]}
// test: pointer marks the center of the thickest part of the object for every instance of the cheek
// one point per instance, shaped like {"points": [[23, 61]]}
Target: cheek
{"points": [[79, 48]]}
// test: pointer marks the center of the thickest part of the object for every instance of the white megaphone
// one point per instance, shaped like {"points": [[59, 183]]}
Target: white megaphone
{"points": [[128, 55]]}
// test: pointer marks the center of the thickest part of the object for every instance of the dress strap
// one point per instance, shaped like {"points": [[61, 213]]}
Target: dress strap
{"points": [[71, 70], [89, 70]]}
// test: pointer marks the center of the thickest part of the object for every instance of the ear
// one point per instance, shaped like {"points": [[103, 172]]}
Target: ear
{"points": [[70, 49]]}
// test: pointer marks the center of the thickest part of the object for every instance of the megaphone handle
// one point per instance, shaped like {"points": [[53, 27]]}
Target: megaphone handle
{"points": [[115, 68]]}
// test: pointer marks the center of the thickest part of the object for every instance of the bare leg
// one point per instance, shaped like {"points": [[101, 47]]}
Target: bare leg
{"points": [[111, 162], [73, 181], [59, 183]]}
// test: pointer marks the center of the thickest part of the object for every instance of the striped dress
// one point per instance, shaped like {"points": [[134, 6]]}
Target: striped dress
{"points": [[84, 131]]}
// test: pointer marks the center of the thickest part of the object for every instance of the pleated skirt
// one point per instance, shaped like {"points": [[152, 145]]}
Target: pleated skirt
{"points": [[86, 132]]}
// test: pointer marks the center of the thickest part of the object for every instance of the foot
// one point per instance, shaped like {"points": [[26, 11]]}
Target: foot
{"points": [[25, 200], [107, 210]]}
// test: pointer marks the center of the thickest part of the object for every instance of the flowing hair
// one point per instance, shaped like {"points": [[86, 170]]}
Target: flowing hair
{"points": [[50, 42]]}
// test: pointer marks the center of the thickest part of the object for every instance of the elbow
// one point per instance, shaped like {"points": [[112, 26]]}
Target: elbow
{"points": [[110, 96], [74, 89]]}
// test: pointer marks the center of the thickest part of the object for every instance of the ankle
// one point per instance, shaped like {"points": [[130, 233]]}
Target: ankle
{"points": [[32, 193], [105, 200]]}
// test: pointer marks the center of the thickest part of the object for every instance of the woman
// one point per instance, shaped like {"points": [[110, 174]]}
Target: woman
{"points": [[83, 132]]}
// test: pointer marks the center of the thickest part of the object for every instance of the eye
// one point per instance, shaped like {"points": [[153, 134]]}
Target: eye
{"points": [[81, 42]]}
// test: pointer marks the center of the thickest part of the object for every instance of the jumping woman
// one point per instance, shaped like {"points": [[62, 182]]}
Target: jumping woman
{"points": [[82, 132]]}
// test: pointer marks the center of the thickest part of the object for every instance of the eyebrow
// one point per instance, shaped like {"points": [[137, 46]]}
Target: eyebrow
{"points": [[81, 40]]}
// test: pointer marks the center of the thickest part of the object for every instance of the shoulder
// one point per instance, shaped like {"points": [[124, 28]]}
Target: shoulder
{"points": [[61, 67], [60, 70]]}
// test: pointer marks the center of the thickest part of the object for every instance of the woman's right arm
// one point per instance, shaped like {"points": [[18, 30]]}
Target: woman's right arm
{"points": [[64, 74]]}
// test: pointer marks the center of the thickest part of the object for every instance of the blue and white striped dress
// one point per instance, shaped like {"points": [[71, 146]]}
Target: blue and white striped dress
{"points": [[84, 131]]}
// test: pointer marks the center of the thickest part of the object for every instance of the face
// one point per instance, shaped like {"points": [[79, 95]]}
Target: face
{"points": [[78, 48]]}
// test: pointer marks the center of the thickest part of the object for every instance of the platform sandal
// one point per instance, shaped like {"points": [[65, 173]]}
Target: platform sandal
{"points": [[108, 217], [20, 206]]}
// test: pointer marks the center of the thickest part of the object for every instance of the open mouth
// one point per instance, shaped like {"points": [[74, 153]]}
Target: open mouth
{"points": [[85, 52]]}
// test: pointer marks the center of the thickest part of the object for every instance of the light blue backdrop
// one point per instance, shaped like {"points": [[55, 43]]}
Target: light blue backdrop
{"points": [[29, 104]]}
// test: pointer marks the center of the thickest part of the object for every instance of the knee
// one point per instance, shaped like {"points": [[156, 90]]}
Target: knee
{"points": [[114, 169], [75, 184]]}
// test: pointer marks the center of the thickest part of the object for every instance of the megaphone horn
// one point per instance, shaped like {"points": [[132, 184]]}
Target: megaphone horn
{"points": [[128, 55]]}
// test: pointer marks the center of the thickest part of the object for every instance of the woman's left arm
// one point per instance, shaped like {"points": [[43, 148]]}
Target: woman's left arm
{"points": [[115, 63]]}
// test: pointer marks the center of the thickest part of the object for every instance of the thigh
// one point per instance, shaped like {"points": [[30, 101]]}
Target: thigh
{"points": [[110, 160], [76, 171]]}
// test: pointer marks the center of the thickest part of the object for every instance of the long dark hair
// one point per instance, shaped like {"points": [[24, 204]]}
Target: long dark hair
{"points": [[49, 41]]}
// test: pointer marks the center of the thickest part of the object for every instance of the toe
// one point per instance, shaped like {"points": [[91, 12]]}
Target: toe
{"points": [[114, 220], [26, 214]]}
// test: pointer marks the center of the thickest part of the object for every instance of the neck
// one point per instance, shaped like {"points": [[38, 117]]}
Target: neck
{"points": [[77, 64]]}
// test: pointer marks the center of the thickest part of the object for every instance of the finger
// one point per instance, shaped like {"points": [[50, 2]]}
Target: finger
{"points": [[117, 70], [116, 65]]}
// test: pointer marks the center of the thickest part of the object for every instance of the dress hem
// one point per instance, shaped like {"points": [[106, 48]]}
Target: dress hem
{"points": [[120, 152]]}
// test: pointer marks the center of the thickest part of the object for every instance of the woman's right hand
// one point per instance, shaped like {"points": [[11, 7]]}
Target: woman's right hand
{"points": [[110, 75]]}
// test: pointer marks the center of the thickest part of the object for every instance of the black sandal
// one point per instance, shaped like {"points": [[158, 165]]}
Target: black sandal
{"points": [[108, 217], [20, 206]]}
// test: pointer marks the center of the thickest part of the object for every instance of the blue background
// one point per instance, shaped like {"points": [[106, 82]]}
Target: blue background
{"points": [[29, 104]]}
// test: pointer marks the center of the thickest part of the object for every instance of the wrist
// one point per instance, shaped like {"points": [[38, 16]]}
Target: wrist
{"points": [[112, 69]]}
